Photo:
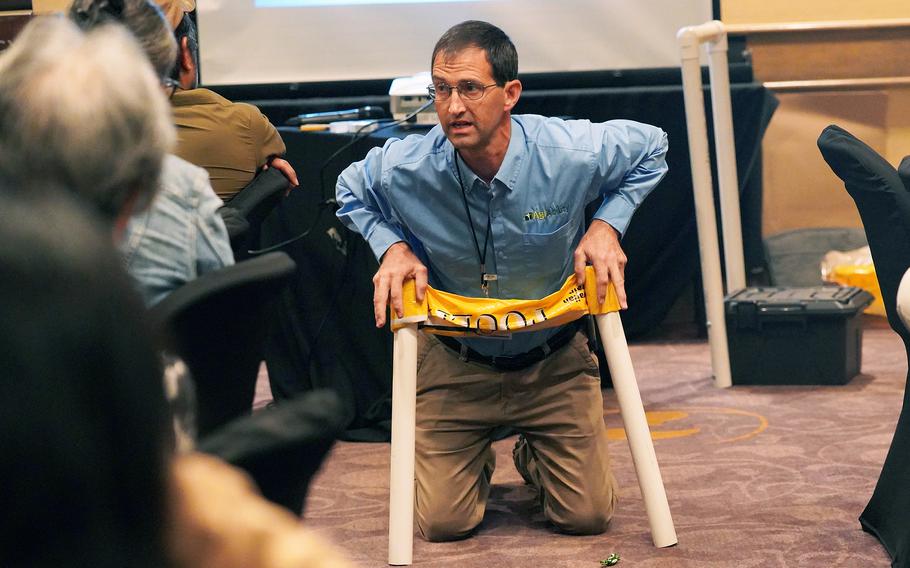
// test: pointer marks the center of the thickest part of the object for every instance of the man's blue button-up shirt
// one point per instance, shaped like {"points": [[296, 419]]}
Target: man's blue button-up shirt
{"points": [[409, 190]]}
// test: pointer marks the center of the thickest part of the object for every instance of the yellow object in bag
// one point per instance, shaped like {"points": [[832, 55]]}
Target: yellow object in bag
{"points": [[854, 268], [861, 276]]}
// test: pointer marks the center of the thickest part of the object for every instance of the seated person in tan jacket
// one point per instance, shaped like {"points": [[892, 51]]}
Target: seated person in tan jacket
{"points": [[232, 141]]}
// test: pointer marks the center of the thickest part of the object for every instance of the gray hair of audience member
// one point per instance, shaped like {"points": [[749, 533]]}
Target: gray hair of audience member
{"points": [[143, 18], [83, 112]]}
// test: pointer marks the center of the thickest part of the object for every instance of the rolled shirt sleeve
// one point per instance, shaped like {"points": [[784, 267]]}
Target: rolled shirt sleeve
{"points": [[364, 207], [631, 160]]}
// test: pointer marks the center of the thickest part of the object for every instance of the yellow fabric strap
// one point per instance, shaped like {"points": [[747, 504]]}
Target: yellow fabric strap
{"points": [[449, 314]]}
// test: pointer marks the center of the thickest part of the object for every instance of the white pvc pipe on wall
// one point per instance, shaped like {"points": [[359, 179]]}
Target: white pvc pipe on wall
{"points": [[404, 425], [690, 39], [727, 180]]}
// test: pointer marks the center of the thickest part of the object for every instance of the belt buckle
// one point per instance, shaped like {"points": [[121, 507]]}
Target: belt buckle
{"points": [[515, 363], [505, 363]]}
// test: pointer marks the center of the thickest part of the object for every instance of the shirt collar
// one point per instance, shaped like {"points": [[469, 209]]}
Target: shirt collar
{"points": [[511, 162], [198, 96]]}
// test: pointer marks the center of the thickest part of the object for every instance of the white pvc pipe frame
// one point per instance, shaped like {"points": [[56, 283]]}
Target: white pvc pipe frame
{"points": [[404, 400], [690, 40]]}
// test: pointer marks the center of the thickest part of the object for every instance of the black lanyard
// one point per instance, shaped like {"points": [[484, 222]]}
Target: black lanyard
{"points": [[485, 278]]}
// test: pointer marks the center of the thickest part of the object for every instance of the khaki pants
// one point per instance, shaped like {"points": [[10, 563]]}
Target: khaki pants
{"points": [[556, 404]]}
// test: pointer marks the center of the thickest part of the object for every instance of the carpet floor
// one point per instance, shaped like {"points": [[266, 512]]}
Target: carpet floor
{"points": [[756, 476]]}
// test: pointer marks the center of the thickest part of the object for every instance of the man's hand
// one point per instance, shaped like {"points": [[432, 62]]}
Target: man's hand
{"points": [[286, 170], [398, 264], [600, 248]]}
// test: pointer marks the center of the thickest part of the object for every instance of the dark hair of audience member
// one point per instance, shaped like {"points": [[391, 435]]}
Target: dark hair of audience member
{"points": [[143, 18], [186, 29], [84, 428]]}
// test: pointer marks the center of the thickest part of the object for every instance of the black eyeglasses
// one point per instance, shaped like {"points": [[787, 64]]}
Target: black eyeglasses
{"points": [[468, 90], [170, 85]]}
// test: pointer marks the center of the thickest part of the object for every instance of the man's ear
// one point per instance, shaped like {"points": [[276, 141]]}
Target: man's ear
{"points": [[188, 76], [512, 89], [186, 58]]}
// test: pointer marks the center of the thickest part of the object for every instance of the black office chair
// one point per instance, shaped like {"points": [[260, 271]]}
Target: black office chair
{"points": [[244, 213], [282, 447], [883, 202], [217, 324]]}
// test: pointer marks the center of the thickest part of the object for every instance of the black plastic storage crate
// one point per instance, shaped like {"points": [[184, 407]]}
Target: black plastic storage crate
{"points": [[795, 336]]}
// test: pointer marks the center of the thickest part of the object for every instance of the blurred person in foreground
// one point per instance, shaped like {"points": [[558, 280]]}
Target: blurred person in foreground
{"points": [[83, 419], [84, 423], [90, 476], [84, 114]]}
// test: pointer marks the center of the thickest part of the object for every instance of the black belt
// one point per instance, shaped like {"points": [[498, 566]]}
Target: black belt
{"points": [[513, 362]]}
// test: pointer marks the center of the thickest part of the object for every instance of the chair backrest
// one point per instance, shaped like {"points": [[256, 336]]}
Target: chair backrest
{"points": [[882, 196], [884, 207], [217, 324], [245, 212], [282, 448], [903, 172]]}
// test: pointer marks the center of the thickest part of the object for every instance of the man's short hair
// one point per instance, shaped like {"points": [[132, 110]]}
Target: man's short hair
{"points": [[186, 29], [143, 18], [82, 111], [500, 50]]}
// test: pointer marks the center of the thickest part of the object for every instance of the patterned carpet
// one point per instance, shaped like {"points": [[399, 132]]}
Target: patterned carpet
{"points": [[756, 476]]}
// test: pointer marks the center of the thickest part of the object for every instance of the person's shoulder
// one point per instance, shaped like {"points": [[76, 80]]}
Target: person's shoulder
{"points": [[554, 132], [234, 107], [581, 134], [176, 169], [202, 96], [198, 96], [414, 148], [181, 179]]}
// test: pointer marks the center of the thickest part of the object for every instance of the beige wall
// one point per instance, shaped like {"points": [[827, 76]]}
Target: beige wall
{"points": [[46, 6], [799, 189], [897, 123], [767, 11]]}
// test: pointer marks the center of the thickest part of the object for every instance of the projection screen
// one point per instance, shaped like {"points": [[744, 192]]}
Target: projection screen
{"points": [[304, 41]]}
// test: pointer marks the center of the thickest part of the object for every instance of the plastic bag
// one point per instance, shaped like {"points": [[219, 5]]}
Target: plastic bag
{"points": [[854, 268]]}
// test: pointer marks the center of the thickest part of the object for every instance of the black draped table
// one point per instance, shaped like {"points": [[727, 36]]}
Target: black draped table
{"points": [[327, 337]]}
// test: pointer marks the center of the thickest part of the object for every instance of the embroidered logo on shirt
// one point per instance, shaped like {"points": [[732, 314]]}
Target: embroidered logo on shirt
{"points": [[543, 213]]}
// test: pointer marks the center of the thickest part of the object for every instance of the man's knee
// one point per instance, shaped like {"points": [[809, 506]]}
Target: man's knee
{"points": [[445, 526], [590, 521], [589, 517]]}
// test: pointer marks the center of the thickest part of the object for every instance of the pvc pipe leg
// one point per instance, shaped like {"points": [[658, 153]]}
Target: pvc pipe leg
{"points": [[663, 533], [404, 424]]}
